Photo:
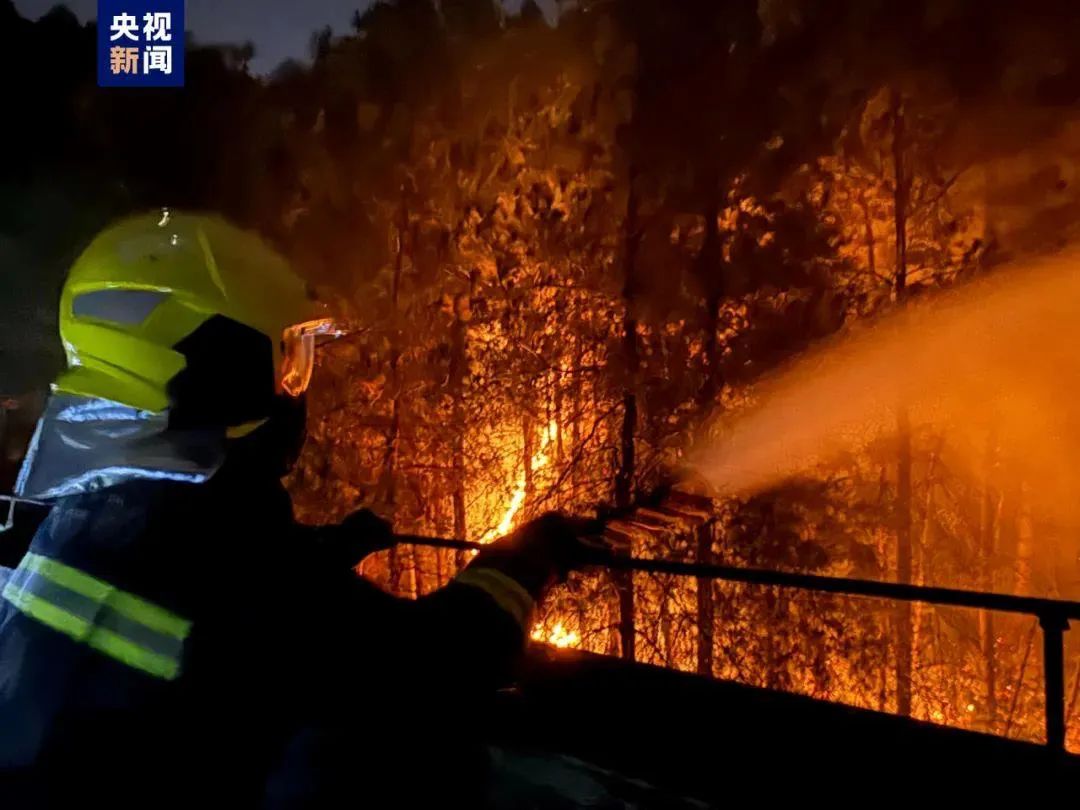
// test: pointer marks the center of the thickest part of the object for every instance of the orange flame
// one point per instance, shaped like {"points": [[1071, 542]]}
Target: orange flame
{"points": [[540, 460], [557, 637]]}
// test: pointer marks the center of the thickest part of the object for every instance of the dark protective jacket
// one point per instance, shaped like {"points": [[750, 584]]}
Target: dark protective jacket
{"points": [[226, 654]]}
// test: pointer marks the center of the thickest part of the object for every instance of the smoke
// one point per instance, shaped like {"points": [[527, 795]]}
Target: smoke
{"points": [[998, 358]]}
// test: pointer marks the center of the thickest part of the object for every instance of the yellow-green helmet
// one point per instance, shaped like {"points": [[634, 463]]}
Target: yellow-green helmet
{"points": [[186, 313]]}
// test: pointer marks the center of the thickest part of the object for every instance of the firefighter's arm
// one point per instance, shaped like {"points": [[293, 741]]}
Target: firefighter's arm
{"points": [[467, 636], [475, 628], [346, 544]]}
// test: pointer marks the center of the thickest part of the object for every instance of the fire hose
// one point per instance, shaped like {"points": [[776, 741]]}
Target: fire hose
{"points": [[602, 555], [606, 558]]}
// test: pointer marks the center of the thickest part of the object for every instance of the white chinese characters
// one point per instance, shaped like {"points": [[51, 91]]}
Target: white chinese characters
{"points": [[157, 26], [157, 59], [124, 26], [145, 50]]}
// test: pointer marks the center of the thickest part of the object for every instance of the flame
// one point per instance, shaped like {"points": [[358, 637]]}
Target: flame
{"points": [[540, 460], [558, 637]]}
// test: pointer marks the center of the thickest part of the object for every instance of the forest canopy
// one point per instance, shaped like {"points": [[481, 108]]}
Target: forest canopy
{"points": [[571, 246]]}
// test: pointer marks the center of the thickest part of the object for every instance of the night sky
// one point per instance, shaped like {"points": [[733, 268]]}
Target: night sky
{"points": [[280, 29]]}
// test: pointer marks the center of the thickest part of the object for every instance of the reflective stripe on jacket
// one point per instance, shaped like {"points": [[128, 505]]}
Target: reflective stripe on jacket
{"points": [[114, 622]]}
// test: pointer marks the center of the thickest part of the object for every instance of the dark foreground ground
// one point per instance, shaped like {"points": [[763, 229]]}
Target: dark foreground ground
{"points": [[586, 731]]}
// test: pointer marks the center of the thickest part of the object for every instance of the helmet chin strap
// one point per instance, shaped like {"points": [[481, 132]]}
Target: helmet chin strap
{"points": [[240, 431], [274, 443]]}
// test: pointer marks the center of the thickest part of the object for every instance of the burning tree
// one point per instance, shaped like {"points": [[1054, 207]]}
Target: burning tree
{"points": [[568, 245], [575, 252]]}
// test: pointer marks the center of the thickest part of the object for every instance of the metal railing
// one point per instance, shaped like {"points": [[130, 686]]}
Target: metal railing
{"points": [[1053, 615]]}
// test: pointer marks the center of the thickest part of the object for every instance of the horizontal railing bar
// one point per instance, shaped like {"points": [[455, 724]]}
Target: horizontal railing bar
{"points": [[955, 597]]}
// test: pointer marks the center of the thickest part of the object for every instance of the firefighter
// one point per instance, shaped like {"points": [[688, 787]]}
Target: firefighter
{"points": [[173, 635]]}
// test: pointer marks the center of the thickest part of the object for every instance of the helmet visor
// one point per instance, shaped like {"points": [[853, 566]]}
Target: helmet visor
{"points": [[298, 352]]}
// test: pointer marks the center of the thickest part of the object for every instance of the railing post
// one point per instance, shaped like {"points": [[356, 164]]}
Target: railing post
{"points": [[1054, 626], [1053, 615]]}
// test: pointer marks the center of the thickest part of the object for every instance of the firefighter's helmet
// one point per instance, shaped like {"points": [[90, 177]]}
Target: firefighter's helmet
{"points": [[188, 314]]}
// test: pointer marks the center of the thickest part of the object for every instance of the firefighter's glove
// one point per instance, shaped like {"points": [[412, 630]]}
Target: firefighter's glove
{"points": [[558, 539], [360, 534], [542, 552]]}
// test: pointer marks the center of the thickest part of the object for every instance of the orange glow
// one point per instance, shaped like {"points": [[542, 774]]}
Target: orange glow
{"points": [[540, 460], [558, 636]]}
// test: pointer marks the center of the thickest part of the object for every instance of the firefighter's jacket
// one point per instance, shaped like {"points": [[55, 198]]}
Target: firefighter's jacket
{"points": [[166, 643]]}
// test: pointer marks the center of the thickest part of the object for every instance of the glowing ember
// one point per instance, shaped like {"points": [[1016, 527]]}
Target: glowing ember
{"points": [[558, 636], [539, 461]]}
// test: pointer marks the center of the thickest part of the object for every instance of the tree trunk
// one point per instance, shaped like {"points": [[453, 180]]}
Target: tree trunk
{"points": [[705, 607], [1025, 539], [987, 527], [575, 418], [458, 364], [900, 194], [887, 631], [903, 472], [624, 476], [708, 268], [389, 469], [925, 541], [667, 656], [559, 417], [461, 527], [771, 676], [442, 529], [903, 563], [1008, 546], [868, 234], [416, 584], [528, 450]]}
